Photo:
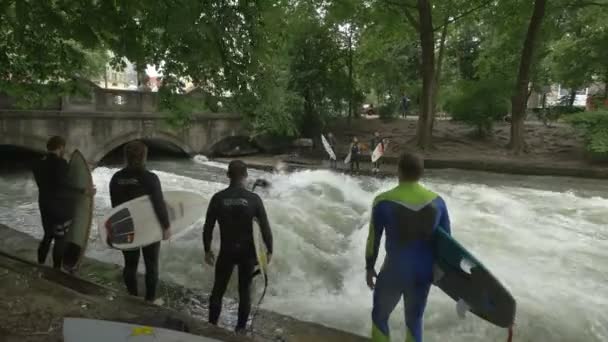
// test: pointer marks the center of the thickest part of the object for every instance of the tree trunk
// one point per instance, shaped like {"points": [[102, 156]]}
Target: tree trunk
{"points": [[436, 82], [350, 76], [519, 98], [427, 43], [606, 85]]}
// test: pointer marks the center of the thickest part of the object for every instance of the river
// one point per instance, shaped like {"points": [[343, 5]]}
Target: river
{"points": [[545, 238]]}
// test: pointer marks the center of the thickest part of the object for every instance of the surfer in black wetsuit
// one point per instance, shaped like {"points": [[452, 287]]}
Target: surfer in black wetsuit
{"points": [[355, 151], [332, 143], [55, 199], [372, 146], [234, 208], [129, 183]]}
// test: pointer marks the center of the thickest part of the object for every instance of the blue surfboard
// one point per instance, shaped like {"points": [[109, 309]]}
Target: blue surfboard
{"points": [[464, 278]]}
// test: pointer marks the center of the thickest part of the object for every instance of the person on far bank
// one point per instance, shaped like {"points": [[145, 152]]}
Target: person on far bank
{"points": [[234, 208], [355, 153], [129, 183], [405, 105], [55, 199], [409, 214], [372, 147], [332, 143]]}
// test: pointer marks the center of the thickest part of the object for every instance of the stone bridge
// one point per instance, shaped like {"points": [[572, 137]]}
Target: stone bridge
{"points": [[112, 118]]}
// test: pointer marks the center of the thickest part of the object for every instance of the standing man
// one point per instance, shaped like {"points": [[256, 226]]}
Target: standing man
{"points": [[332, 143], [234, 208], [129, 183], [355, 151], [405, 105], [409, 214], [372, 147], [55, 199]]}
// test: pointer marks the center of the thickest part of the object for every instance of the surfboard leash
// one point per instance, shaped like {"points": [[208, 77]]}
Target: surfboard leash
{"points": [[257, 307], [262, 183]]}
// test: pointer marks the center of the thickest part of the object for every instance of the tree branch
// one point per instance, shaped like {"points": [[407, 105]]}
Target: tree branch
{"points": [[410, 18], [465, 13], [588, 3]]}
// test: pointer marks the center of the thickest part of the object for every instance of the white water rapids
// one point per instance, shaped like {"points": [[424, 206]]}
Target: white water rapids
{"points": [[546, 239]]}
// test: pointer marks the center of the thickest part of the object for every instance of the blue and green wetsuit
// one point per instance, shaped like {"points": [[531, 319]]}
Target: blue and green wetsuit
{"points": [[409, 214]]}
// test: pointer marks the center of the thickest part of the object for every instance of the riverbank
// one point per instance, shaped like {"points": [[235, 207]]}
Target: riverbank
{"points": [[37, 298], [553, 151], [389, 166]]}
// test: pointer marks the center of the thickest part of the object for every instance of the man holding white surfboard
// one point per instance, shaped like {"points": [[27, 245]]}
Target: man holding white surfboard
{"points": [[235, 209], [127, 184], [55, 199]]}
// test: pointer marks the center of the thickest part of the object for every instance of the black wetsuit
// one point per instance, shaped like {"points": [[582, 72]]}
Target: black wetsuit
{"points": [[355, 150], [128, 184], [332, 143], [235, 208], [55, 199]]}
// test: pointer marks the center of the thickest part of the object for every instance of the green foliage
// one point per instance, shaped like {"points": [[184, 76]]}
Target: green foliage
{"points": [[479, 104], [389, 109], [594, 126]]}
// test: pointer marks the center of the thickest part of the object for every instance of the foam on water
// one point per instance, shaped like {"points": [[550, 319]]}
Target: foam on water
{"points": [[549, 248]]}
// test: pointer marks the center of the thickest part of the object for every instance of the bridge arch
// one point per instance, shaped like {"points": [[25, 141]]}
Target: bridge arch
{"points": [[138, 135]]}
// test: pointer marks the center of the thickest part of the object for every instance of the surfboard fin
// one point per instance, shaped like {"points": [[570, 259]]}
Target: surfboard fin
{"points": [[461, 308], [437, 273]]}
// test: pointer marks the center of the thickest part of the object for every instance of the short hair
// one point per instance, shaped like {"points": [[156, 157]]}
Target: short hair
{"points": [[136, 153], [55, 143], [237, 170], [411, 167]]}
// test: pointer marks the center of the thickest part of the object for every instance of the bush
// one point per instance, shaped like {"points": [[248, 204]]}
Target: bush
{"points": [[594, 126], [388, 110], [479, 104]]}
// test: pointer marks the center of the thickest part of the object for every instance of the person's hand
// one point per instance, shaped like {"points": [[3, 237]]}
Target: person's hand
{"points": [[268, 258], [210, 258], [167, 233], [371, 274]]}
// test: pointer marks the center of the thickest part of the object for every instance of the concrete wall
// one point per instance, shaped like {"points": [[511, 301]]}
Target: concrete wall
{"points": [[96, 134]]}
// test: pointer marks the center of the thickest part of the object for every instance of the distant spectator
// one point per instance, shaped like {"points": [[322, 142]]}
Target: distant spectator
{"points": [[405, 105]]}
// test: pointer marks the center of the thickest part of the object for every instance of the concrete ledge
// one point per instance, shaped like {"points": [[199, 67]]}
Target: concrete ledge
{"points": [[37, 297]]}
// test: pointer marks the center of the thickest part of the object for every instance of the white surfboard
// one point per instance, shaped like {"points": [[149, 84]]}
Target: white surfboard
{"points": [[379, 152], [134, 224], [328, 148], [347, 159], [260, 248], [93, 330]]}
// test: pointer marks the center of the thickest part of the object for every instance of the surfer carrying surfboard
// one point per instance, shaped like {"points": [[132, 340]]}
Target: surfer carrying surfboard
{"points": [[409, 214], [372, 146], [132, 182], [355, 151], [54, 198], [331, 140], [235, 209]]}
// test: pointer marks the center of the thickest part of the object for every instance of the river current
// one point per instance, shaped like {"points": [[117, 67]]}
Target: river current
{"points": [[545, 238]]}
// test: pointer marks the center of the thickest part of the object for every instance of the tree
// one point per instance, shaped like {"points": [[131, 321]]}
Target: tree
{"points": [[520, 93], [47, 42]]}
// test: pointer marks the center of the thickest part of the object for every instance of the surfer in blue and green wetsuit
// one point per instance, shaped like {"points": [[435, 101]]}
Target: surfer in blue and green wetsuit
{"points": [[409, 214]]}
